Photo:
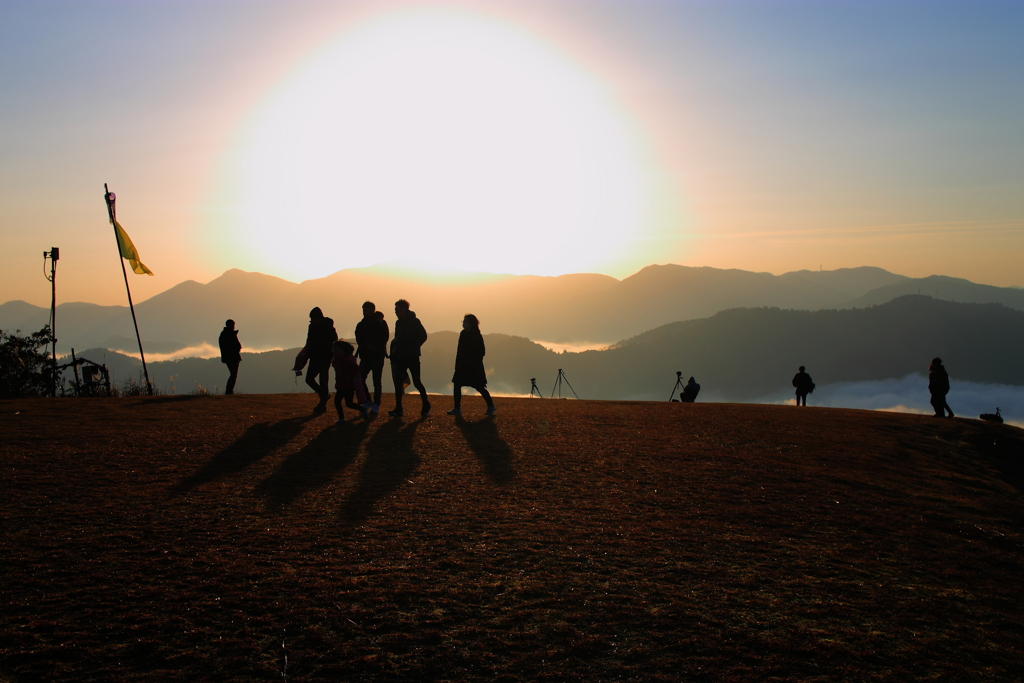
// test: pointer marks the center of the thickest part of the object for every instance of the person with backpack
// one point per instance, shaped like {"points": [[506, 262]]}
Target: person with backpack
{"points": [[804, 385], [405, 356]]}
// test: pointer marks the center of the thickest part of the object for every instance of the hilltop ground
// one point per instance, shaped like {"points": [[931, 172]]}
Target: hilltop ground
{"points": [[240, 538]]}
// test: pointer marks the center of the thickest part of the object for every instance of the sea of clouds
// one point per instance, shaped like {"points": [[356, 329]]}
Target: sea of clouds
{"points": [[910, 395]]}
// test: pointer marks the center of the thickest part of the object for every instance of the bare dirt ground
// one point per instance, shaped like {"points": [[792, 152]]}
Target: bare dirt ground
{"points": [[241, 538]]}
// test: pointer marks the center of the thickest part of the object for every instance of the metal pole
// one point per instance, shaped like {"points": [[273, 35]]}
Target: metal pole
{"points": [[53, 255], [124, 271]]}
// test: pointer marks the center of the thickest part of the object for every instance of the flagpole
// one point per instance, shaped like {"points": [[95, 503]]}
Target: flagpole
{"points": [[109, 198]]}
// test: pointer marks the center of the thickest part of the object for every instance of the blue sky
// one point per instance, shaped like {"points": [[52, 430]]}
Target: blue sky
{"points": [[773, 135]]}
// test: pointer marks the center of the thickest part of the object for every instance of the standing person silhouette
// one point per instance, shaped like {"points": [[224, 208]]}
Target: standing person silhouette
{"points": [[319, 339], [372, 336], [230, 353], [938, 387], [804, 385], [469, 364], [405, 355]]}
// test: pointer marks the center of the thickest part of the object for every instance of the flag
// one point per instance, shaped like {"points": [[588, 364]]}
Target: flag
{"points": [[129, 251]]}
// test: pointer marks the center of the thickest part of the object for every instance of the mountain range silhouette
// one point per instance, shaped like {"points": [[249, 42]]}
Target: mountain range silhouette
{"points": [[739, 354], [583, 308]]}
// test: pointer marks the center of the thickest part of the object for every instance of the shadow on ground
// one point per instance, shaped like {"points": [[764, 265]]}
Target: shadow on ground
{"points": [[172, 398], [258, 441], [390, 461], [315, 465], [490, 449]]}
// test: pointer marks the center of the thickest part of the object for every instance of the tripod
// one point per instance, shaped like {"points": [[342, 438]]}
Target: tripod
{"points": [[558, 385], [678, 385], [533, 388]]}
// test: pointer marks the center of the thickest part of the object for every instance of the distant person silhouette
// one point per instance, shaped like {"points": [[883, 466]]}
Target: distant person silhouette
{"points": [[405, 355], [469, 364], [372, 336], [319, 340], [348, 381], [804, 385], [690, 391], [230, 353], [938, 387]]}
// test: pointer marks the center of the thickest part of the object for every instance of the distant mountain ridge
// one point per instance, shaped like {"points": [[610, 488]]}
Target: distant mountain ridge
{"points": [[583, 308], [737, 355]]}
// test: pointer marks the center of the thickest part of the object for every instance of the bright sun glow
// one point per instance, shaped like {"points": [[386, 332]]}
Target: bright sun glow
{"points": [[443, 137]]}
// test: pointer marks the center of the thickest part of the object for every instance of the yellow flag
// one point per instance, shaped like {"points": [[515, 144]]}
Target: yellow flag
{"points": [[129, 251]]}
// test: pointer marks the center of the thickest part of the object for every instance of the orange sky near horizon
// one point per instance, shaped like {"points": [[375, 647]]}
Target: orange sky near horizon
{"points": [[536, 137]]}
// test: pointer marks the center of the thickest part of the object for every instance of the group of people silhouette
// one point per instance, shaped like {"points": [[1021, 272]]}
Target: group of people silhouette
{"points": [[324, 350]]}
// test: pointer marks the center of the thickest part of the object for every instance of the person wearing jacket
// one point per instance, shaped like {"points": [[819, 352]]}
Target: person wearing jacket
{"points": [[320, 338], [804, 385], [938, 387], [469, 364], [405, 355], [230, 353], [348, 382], [372, 336]]}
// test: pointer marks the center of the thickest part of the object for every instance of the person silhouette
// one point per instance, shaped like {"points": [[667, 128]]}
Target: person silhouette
{"points": [[230, 353], [469, 364], [690, 391], [405, 355], [804, 385], [938, 387], [320, 337], [348, 381], [372, 336]]}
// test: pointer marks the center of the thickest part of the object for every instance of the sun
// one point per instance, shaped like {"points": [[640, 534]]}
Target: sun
{"points": [[444, 137]]}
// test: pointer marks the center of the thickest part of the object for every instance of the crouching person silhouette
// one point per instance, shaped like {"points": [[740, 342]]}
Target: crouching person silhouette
{"points": [[405, 355], [690, 391], [469, 364]]}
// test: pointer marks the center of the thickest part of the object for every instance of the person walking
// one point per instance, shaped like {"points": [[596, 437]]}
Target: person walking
{"points": [[938, 387], [804, 385], [469, 364], [372, 336], [405, 356], [230, 353], [348, 382], [320, 337]]}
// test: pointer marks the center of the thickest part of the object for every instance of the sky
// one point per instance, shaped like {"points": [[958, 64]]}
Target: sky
{"points": [[535, 137]]}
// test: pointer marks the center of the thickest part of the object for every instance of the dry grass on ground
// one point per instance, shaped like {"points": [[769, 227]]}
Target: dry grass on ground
{"points": [[240, 538]]}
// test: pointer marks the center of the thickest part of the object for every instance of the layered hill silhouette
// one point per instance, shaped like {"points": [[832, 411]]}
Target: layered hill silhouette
{"points": [[581, 308], [737, 355]]}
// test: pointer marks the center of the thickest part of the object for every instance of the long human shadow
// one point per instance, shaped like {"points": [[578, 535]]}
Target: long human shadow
{"points": [[314, 465], [258, 441], [390, 461], [490, 449]]}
